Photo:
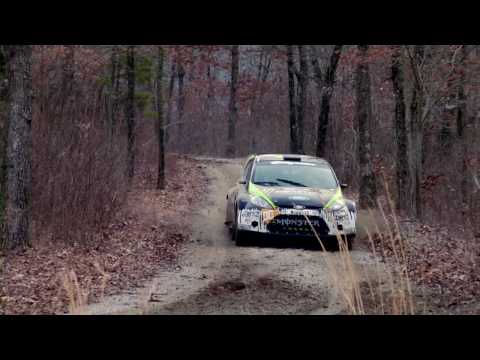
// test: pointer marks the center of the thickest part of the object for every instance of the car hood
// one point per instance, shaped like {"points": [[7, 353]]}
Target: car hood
{"points": [[289, 197]]}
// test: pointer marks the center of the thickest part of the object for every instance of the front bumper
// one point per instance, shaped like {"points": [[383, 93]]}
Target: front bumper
{"points": [[294, 223]]}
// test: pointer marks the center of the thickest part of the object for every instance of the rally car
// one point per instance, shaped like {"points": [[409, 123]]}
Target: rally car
{"points": [[290, 196]]}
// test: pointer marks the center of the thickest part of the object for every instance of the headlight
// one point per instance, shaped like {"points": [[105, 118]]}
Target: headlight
{"points": [[260, 203], [340, 213], [338, 207]]}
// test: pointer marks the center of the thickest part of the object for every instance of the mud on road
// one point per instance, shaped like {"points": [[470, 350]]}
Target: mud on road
{"points": [[216, 277]]}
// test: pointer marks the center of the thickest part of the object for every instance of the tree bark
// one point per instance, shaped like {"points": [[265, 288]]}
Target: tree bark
{"points": [[462, 116], [114, 89], [130, 111], [417, 129], [402, 162], [160, 122], [171, 87], [325, 85], [368, 187], [3, 132], [259, 93], [181, 102], [19, 148], [303, 75], [233, 108], [3, 72], [294, 147], [68, 75]]}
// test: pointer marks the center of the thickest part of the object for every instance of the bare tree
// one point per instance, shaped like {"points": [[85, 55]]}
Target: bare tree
{"points": [[171, 87], [294, 140], [402, 159], [303, 80], [68, 75], [418, 115], [160, 122], [19, 148], [368, 188], [325, 84], [3, 69], [462, 124], [180, 99], [3, 130], [114, 88], [233, 108], [264, 67], [130, 110]]}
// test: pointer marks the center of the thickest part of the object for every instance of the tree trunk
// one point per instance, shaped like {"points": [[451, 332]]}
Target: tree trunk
{"points": [[259, 93], [3, 72], [19, 148], [3, 132], [325, 87], [449, 115], [171, 87], [130, 110], [462, 116], [417, 128], [368, 187], [181, 103], [302, 96], [294, 147], [233, 108], [402, 163], [68, 75], [208, 112], [160, 124], [114, 89]]}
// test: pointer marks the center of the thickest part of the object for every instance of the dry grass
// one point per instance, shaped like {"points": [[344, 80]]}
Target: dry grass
{"points": [[78, 296], [386, 290]]}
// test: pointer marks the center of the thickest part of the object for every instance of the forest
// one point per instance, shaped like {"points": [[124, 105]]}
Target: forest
{"points": [[84, 128]]}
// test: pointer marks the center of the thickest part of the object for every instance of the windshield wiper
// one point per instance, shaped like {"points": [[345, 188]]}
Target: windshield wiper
{"points": [[291, 183], [266, 183]]}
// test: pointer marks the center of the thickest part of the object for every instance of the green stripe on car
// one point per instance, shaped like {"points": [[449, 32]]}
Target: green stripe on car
{"points": [[338, 197], [256, 191]]}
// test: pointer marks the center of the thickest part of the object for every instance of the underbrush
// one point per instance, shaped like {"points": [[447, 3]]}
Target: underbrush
{"points": [[386, 290], [79, 163]]}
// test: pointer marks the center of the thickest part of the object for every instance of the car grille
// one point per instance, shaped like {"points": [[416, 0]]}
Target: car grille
{"points": [[297, 226]]}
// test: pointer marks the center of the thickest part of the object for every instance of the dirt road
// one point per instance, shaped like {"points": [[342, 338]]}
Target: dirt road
{"points": [[216, 277]]}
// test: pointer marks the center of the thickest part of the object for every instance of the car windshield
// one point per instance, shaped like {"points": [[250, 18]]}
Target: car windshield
{"points": [[286, 174]]}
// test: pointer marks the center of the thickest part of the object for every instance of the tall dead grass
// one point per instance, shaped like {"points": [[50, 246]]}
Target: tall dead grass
{"points": [[78, 294], [387, 288]]}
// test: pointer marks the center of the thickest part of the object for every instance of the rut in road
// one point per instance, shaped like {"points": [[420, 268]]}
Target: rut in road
{"points": [[216, 277]]}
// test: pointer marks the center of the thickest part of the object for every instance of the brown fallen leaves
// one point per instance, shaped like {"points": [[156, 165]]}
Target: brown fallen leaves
{"points": [[445, 262], [146, 235]]}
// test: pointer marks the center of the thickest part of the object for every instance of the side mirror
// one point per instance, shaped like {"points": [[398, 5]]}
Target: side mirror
{"points": [[344, 186]]}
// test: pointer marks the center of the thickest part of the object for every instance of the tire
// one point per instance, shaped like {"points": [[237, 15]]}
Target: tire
{"points": [[240, 238], [351, 242], [233, 228], [331, 243]]}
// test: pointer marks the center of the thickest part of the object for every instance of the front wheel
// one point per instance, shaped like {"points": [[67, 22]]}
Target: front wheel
{"points": [[240, 238], [351, 242], [348, 241], [332, 243]]}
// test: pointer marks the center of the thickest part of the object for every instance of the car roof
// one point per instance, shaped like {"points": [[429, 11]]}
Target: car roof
{"points": [[288, 157]]}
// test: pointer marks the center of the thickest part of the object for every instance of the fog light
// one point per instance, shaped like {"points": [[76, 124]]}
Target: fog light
{"points": [[254, 224]]}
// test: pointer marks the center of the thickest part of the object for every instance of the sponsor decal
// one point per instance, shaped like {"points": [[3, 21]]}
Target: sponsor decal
{"points": [[249, 216], [269, 215]]}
